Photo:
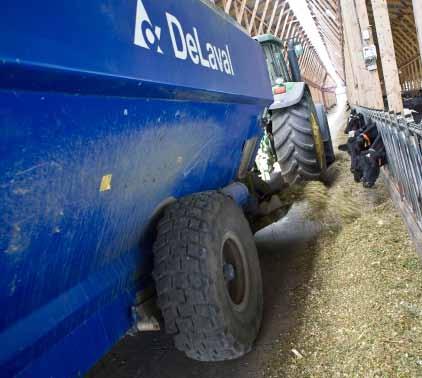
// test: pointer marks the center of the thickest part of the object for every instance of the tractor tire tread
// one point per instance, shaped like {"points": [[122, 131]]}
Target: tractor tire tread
{"points": [[294, 144]]}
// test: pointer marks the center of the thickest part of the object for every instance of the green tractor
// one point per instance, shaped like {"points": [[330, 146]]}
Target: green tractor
{"points": [[297, 129]]}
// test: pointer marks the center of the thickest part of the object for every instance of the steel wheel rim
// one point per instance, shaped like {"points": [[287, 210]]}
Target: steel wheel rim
{"points": [[235, 272]]}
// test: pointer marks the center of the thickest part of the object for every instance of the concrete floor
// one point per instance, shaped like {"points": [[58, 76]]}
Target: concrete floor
{"points": [[282, 248], [152, 355]]}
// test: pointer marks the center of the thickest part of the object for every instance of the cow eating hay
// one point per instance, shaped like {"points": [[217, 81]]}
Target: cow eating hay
{"points": [[366, 150]]}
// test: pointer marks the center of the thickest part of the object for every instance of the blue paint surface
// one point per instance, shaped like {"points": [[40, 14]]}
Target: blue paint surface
{"points": [[79, 101]]}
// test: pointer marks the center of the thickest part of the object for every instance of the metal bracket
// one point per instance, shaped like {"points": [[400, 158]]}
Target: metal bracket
{"points": [[146, 316]]}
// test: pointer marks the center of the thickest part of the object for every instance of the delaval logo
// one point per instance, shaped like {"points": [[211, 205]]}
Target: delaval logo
{"points": [[185, 45], [146, 35]]}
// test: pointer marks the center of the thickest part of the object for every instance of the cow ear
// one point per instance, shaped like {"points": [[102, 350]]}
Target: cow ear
{"points": [[343, 147]]}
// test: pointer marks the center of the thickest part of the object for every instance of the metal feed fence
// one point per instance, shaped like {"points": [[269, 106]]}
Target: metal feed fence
{"points": [[403, 143]]}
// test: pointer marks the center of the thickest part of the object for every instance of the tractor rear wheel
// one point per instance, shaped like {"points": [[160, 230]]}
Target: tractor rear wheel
{"points": [[298, 142], [326, 134]]}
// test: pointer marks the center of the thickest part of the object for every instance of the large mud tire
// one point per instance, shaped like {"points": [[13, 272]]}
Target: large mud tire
{"points": [[326, 134], [298, 143], [208, 278]]}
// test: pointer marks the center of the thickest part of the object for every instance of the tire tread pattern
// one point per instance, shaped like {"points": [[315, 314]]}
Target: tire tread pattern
{"points": [[294, 144], [183, 282]]}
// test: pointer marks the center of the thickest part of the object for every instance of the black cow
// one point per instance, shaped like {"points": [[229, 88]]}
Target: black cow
{"points": [[371, 161], [355, 122], [366, 150], [358, 141]]}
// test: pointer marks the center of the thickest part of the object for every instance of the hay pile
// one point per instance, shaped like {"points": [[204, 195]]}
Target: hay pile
{"points": [[360, 313]]}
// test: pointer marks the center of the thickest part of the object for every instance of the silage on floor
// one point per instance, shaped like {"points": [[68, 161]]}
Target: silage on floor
{"points": [[361, 312]]}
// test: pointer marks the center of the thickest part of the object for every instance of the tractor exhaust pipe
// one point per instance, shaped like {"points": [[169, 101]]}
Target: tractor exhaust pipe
{"points": [[293, 61]]}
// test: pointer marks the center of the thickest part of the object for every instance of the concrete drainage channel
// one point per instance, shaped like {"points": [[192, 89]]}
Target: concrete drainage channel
{"points": [[368, 327]]}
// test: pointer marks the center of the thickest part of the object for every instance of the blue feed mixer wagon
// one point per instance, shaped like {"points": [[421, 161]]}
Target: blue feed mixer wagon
{"points": [[125, 127]]}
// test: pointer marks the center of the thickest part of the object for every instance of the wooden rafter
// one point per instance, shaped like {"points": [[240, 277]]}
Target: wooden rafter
{"points": [[276, 17]]}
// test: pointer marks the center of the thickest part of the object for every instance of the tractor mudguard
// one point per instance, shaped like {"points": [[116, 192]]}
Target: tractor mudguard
{"points": [[292, 97]]}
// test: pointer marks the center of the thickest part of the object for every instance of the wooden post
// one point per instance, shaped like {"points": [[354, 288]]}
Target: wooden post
{"points": [[369, 86], [417, 12], [388, 56], [351, 86]]}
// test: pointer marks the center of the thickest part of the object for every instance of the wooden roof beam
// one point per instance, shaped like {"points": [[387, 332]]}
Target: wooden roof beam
{"points": [[252, 21], [270, 23], [264, 14], [241, 12], [280, 17]]}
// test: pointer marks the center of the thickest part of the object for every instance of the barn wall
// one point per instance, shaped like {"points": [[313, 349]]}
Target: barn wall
{"points": [[390, 26]]}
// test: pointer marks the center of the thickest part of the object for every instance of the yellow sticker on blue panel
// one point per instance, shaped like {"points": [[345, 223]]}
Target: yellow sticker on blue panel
{"points": [[105, 183]]}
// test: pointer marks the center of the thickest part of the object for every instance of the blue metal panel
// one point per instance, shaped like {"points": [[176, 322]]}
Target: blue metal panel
{"points": [[97, 38], [81, 104]]}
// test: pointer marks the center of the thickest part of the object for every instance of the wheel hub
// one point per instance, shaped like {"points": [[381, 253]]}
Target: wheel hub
{"points": [[229, 272], [234, 272]]}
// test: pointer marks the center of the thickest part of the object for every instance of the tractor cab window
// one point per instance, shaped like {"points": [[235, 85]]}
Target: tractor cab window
{"points": [[275, 61]]}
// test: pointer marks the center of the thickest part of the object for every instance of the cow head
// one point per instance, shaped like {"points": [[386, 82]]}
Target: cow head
{"points": [[371, 161], [343, 147]]}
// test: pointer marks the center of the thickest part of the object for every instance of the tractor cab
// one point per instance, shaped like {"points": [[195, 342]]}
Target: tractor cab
{"points": [[296, 128], [283, 75]]}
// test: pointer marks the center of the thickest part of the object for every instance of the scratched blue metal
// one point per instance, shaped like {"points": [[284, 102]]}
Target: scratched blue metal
{"points": [[80, 101]]}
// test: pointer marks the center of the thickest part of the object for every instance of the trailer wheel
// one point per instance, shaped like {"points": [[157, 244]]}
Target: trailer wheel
{"points": [[298, 142], [208, 278]]}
